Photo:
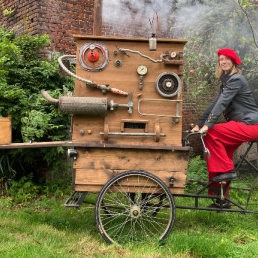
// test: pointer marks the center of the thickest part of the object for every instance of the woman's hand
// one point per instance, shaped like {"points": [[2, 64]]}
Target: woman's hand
{"points": [[195, 129], [204, 129]]}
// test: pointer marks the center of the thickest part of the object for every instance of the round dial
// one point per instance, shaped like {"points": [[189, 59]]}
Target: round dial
{"points": [[142, 69]]}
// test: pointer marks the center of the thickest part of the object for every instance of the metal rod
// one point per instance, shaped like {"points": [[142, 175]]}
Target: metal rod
{"points": [[132, 134]]}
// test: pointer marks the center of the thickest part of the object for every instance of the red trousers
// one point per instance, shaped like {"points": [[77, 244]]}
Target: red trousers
{"points": [[222, 140]]}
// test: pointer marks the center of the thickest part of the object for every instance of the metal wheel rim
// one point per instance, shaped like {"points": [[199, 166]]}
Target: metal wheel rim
{"points": [[122, 218]]}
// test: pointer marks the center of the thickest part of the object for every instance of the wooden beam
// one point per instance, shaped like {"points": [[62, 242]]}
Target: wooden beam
{"points": [[97, 25], [25, 145]]}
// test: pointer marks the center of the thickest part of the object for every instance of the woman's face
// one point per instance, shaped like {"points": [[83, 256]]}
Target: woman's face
{"points": [[225, 63]]}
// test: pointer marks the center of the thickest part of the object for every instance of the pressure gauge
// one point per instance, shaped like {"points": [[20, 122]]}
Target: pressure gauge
{"points": [[173, 54], [142, 69]]}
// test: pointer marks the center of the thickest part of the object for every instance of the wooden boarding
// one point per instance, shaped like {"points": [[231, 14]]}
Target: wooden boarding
{"points": [[130, 159], [27, 145], [148, 135], [94, 167], [5, 130], [100, 177]]}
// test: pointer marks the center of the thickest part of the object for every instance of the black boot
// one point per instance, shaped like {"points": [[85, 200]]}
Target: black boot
{"points": [[220, 204], [228, 176]]}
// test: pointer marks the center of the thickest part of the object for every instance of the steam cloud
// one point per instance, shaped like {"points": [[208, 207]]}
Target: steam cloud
{"points": [[137, 13]]}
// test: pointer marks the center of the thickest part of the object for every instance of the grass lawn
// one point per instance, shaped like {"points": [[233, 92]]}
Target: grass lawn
{"points": [[45, 228]]}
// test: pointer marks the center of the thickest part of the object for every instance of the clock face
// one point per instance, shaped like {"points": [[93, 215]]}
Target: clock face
{"points": [[142, 69]]}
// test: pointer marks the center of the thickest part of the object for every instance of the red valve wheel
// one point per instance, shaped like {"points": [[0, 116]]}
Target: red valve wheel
{"points": [[93, 56]]}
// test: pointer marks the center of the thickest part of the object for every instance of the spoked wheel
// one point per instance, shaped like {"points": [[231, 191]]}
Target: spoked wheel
{"points": [[134, 206]]}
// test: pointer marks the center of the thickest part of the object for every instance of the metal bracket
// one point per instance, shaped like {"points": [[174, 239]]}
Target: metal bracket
{"points": [[175, 118], [113, 105]]}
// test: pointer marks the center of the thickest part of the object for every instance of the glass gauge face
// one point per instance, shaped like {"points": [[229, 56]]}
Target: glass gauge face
{"points": [[142, 69]]}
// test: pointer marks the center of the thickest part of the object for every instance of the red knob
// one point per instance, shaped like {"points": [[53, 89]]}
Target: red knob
{"points": [[93, 56]]}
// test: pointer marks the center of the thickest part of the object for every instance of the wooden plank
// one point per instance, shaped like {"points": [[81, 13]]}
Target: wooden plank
{"points": [[130, 159], [98, 4], [90, 188], [134, 39], [93, 177], [25, 145], [87, 145]]}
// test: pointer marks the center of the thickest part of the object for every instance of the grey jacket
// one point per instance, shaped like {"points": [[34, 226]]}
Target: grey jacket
{"points": [[234, 100]]}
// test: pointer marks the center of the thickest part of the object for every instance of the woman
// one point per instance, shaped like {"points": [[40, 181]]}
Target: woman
{"points": [[237, 104]]}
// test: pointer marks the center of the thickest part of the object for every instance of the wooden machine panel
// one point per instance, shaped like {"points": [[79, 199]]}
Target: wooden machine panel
{"points": [[136, 94], [146, 116]]}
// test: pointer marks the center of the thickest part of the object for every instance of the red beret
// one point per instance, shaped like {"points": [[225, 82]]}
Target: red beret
{"points": [[228, 52]]}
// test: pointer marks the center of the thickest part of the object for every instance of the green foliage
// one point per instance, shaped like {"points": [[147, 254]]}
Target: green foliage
{"points": [[28, 188], [197, 171], [30, 46], [6, 166], [9, 54], [197, 168], [23, 190], [7, 12], [24, 73]]}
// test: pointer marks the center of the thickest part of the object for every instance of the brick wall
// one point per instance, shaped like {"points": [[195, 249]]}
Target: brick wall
{"points": [[23, 19], [60, 19]]}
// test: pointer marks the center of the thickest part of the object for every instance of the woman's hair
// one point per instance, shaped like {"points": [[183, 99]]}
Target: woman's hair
{"points": [[219, 72]]}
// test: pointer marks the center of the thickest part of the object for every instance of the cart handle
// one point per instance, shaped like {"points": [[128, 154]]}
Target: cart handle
{"points": [[190, 134], [205, 150]]}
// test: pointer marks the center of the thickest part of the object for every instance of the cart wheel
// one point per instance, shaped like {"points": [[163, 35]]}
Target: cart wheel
{"points": [[133, 206]]}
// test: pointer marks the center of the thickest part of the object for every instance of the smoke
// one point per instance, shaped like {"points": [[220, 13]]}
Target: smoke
{"points": [[207, 25], [133, 13], [189, 18], [124, 10], [175, 17], [178, 18]]}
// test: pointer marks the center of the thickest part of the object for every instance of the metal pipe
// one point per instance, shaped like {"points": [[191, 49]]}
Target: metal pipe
{"points": [[49, 98]]}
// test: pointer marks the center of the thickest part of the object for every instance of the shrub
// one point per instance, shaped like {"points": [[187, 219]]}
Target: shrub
{"points": [[24, 72]]}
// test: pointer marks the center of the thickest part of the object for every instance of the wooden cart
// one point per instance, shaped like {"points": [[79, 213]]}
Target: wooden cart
{"points": [[127, 136], [127, 128]]}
